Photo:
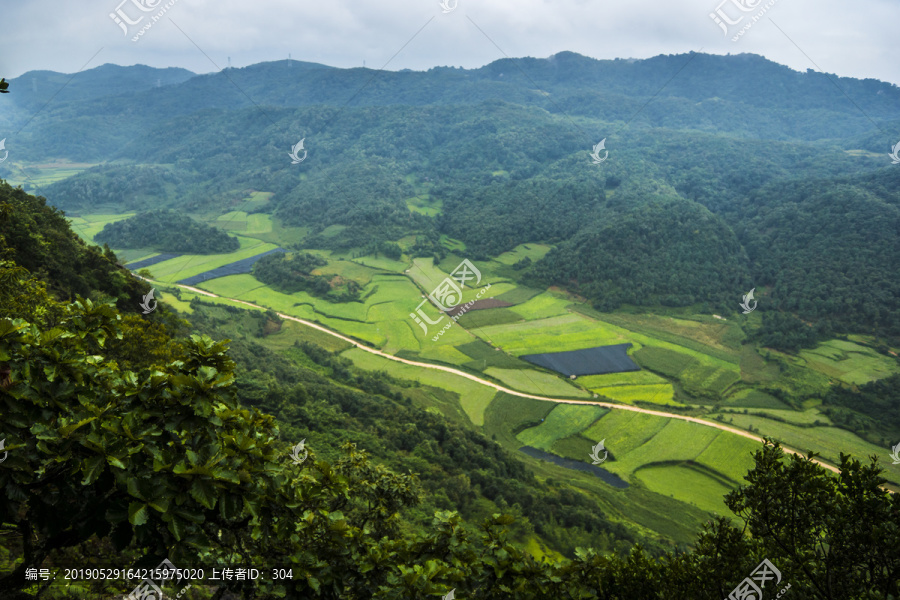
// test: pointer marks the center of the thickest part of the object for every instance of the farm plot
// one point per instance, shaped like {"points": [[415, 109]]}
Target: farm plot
{"points": [[563, 421], [535, 382], [586, 361], [829, 442], [849, 362], [239, 267], [662, 394], [473, 397], [188, 265]]}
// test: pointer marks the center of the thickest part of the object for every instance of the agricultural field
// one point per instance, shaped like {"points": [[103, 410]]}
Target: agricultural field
{"points": [[43, 174], [424, 204], [849, 362], [188, 265], [474, 398], [829, 442], [87, 226], [244, 223], [677, 471], [542, 306], [536, 382], [561, 422], [687, 483], [535, 252], [662, 394]]}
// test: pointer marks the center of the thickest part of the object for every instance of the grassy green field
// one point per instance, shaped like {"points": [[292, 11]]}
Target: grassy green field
{"points": [[474, 398], [849, 362], [662, 394], [242, 222], [829, 442], [536, 382], [687, 483], [564, 420], [535, 252], [87, 226], [44, 174]]}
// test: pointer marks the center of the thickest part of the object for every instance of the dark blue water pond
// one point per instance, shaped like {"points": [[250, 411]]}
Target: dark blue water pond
{"points": [[568, 463]]}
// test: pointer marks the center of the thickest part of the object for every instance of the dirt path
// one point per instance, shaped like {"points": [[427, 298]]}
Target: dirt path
{"points": [[501, 388]]}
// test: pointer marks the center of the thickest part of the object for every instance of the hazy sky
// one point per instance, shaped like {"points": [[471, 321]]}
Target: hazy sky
{"points": [[856, 39]]}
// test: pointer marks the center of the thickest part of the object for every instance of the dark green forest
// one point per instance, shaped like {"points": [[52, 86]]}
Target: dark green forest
{"points": [[166, 230]]}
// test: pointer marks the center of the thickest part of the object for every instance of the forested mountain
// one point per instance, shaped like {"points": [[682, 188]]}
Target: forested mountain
{"points": [[745, 95], [134, 438], [733, 177]]}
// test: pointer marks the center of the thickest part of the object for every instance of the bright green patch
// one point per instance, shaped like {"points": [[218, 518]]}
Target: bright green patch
{"points": [[563, 421], [474, 397], [687, 483], [535, 252], [518, 295], [625, 378], [536, 382], [849, 362], [629, 394], [543, 306]]}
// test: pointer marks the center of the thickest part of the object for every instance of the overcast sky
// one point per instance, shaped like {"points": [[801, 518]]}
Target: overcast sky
{"points": [[855, 39]]}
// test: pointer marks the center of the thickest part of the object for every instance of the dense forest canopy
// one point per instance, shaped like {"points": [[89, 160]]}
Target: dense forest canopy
{"points": [[167, 231]]}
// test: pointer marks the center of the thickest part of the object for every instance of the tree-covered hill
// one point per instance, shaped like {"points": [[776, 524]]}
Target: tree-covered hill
{"points": [[167, 231], [666, 253], [745, 95], [38, 238], [506, 174]]}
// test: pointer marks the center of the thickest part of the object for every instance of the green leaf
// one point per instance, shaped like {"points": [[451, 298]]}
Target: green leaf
{"points": [[92, 468], [137, 513], [161, 504], [177, 528], [115, 462], [204, 492]]}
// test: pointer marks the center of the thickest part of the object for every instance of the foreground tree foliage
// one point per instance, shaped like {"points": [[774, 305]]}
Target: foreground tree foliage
{"points": [[165, 463]]}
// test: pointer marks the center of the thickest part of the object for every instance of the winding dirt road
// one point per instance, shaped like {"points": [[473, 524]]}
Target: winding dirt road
{"points": [[501, 388]]}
